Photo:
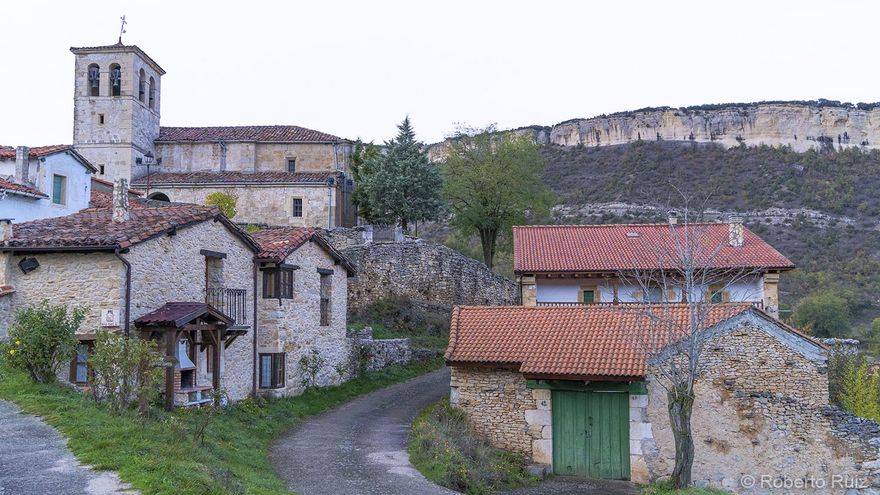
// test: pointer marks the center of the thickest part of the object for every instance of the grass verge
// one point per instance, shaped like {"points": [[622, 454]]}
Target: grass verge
{"points": [[445, 450], [664, 488], [159, 454]]}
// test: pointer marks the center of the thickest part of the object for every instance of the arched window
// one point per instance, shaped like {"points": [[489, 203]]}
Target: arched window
{"points": [[142, 86], [152, 92], [115, 80], [157, 196], [94, 80]]}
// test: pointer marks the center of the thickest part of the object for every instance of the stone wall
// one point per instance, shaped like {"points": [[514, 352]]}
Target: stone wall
{"points": [[372, 354], [293, 325], [252, 157], [267, 204], [431, 276]]}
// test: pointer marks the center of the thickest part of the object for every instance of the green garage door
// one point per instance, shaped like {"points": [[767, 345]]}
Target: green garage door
{"points": [[591, 434]]}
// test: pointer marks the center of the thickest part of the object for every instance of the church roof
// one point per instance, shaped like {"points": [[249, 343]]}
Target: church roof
{"points": [[249, 133], [231, 177], [118, 48]]}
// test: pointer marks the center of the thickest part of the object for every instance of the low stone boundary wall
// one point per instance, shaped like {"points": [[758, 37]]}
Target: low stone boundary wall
{"points": [[372, 354]]}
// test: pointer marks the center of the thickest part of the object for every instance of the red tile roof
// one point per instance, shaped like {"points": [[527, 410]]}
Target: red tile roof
{"points": [[158, 179], [587, 341], [104, 199], [603, 248], [94, 228], [8, 153], [178, 314], [21, 189], [249, 133], [277, 243], [107, 183]]}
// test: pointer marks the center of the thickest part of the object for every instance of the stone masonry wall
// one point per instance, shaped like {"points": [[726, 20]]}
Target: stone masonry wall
{"points": [[762, 410], [171, 268], [501, 409], [293, 325], [428, 274], [372, 354]]}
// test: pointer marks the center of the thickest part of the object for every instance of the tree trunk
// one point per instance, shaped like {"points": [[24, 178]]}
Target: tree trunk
{"points": [[681, 404], [488, 238]]}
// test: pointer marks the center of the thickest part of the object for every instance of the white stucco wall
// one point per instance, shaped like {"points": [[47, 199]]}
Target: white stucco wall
{"points": [[568, 290], [79, 184]]}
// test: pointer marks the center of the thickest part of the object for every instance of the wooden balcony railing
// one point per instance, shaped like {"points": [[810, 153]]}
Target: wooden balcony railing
{"points": [[231, 302]]}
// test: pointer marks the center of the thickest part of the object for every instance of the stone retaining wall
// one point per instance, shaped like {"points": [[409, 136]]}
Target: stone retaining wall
{"points": [[374, 354]]}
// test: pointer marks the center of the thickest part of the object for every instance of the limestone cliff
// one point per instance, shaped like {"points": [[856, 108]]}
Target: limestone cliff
{"points": [[801, 125]]}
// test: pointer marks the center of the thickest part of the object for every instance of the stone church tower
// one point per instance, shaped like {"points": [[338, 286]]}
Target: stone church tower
{"points": [[117, 95]]}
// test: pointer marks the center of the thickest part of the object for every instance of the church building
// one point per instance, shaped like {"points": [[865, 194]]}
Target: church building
{"points": [[280, 174]]}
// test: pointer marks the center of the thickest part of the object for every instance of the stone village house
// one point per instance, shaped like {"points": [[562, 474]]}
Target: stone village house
{"points": [[586, 264], [566, 381], [571, 389], [281, 174], [183, 274]]}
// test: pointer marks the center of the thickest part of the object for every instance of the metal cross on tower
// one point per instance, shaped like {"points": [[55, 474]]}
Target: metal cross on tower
{"points": [[122, 28]]}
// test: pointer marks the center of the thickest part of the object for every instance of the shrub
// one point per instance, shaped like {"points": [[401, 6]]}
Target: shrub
{"points": [[125, 369], [860, 388], [226, 202], [42, 338], [310, 365], [447, 451], [823, 315]]}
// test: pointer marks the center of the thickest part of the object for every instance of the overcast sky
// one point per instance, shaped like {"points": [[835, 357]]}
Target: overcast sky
{"points": [[354, 69]]}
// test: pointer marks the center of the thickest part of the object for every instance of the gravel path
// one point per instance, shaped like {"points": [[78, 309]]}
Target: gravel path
{"points": [[359, 448], [34, 459]]}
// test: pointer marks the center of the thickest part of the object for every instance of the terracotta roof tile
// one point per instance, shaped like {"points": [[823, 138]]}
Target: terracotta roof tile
{"points": [[277, 243], [586, 248], [179, 313], [21, 189], [250, 133], [95, 228], [157, 179], [586, 341], [8, 152]]}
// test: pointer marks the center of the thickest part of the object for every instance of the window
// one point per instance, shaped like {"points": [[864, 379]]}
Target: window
{"points": [[79, 366], [291, 164], [142, 86], [101, 118], [326, 290], [272, 370], [589, 295], [115, 80], [94, 80], [152, 92], [717, 294], [278, 283], [101, 169], [59, 189], [297, 207]]}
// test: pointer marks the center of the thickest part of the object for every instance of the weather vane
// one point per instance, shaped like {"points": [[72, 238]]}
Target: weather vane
{"points": [[122, 28]]}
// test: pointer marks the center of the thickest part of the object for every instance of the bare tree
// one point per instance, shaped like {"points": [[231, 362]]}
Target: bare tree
{"points": [[686, 288]]}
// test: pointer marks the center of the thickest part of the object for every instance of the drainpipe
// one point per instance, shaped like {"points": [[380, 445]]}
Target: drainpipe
{"points": [[330, 184], [254, 327], [127, 290]]}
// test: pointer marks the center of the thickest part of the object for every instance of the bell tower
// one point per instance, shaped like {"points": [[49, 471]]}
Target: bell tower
{"points": [[116, 108]]}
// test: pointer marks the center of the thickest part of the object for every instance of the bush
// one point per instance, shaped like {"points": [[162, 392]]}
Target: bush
{"points": [[42, 338], [124, 370], [859, 389], [823, 315], [226, 203], [446, 450]]}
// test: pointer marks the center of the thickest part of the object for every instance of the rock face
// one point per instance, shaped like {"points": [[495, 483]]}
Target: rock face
{"points": [[801, 125]]}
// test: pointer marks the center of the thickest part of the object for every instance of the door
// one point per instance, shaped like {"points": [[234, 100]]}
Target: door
{"points": [[591, 434]]}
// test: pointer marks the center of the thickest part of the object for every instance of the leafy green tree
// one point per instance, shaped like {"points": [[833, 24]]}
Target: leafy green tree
{"points": [[492, 182], [125, 369], [226, 203], [362, 156], [823, 315], [42, 338], [860, 389], [399, 185]]}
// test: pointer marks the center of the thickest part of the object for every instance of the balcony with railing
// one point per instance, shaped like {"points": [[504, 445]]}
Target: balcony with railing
{"points": [[231, 302]]}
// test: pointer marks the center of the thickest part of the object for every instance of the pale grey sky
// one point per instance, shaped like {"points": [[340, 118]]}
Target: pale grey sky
{"points": [[356, 68]]}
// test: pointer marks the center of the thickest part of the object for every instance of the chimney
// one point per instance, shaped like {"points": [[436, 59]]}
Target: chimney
{"points": [[5, 229], [22, 156], [120, 200], [673, 217], [735, 231]]}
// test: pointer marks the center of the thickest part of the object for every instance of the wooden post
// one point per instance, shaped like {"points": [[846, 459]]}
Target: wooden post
{"points": [[216, 350], [170, 353]]}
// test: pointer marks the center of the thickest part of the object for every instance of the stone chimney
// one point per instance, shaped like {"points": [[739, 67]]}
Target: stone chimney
{"points": [[22, 156], [120, 200], [673, 217], [5, 229], [735, 231]]}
